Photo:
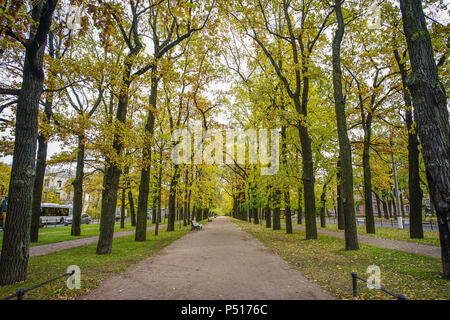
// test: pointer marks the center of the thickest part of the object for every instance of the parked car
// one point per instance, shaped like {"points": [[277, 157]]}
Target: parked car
{"points": [[85, 219]]}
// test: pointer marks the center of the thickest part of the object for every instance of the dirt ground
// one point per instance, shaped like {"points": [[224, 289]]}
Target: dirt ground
{"points": [[218, 262]]}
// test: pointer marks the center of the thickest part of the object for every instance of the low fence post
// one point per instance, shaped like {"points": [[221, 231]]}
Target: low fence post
{"points": [[355, 284], [20, 293]]}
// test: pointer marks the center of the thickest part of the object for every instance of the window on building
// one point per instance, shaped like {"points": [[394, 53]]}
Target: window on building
{"points": [[59, 184]]}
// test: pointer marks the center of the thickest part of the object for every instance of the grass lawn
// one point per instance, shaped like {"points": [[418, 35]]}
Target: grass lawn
{"points": [[430, 237], [325, 262], [59, 234], [94, 268]]}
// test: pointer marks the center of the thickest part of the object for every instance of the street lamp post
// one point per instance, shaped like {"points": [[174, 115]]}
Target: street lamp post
{"points": [[397, 198]]}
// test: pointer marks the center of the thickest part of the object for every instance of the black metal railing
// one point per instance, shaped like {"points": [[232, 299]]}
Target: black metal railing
{"points": [[355, 279], [21, 292]]}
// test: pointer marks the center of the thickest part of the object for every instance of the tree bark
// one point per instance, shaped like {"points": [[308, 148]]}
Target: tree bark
{"points": [[276, 223], [351, 237], [132, 213], [172, 198], [286, 193], [41, 164], [16, 238], [415, 192], [386, 210], [370, 221], [431, 113], [268, 214], [122, 209], [78, 189], [323, 223], [113, 171], [378, 205], [340, 204], [300, 207], [144, 186]]}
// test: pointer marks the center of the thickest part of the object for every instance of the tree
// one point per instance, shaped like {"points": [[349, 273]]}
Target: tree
{"points": [[164, 40], [345, 163], [431, 113], [16, 239], [415, 192], [113, 168]]}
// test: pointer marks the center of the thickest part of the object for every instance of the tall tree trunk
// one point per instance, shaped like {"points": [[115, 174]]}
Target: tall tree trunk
{"points": [[16, 237], [287, 211], [368, 201], [431, 113], [185, 201], [286, 191], [113, 170], [415, 192], [255, 215], [340, 204], [276, 223], [323, 223], [158, 213], [268, 214], [172, 198], [154, 203], [389, 201], [41, 164], [300, 207], [132, 213], [78, 189], [308, 184], [122, 209], [345, 155], [190, 216], [144, 186], [378, 205], [385, 207]]}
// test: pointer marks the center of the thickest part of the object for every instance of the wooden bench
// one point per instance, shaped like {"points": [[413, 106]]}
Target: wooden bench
{"points": [[195, 225]]}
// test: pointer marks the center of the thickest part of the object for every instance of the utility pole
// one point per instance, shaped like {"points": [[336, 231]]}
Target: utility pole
{"points": [[397, 199]]}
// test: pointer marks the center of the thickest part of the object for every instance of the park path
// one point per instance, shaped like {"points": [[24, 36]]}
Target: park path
{"points": [[64, 245], [413, 247], [219, 262]]}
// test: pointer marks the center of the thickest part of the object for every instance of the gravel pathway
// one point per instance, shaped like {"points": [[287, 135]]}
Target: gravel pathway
{"points": [[219, 262]]}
